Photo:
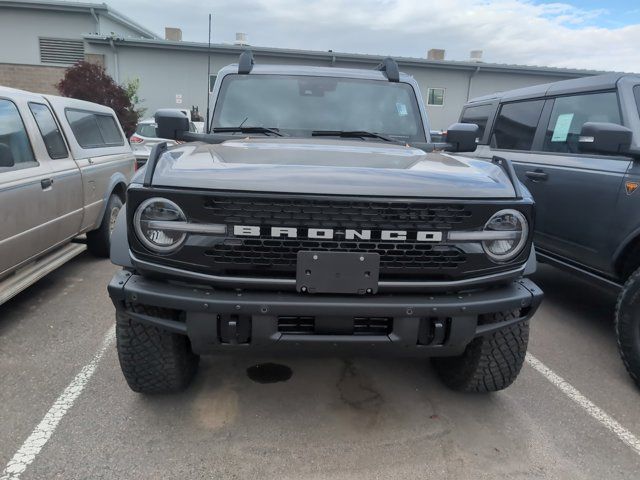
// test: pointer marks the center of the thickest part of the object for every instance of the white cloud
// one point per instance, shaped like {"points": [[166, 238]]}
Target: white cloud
{"points": [[508, 31]]}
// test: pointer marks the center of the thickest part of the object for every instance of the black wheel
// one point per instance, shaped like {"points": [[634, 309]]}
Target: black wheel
{"points": [[628, 325], [489, 363], [99, 240], [154, 360]]}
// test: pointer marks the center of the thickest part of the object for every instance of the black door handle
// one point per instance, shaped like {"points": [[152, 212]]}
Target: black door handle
{"points": [[536, 175], [46, 183]]}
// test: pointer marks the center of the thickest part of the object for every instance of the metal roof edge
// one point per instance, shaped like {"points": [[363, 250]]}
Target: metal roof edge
{"points": [[353, 57]]}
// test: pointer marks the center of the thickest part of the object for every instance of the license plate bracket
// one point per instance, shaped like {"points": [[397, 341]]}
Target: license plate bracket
{"points": [[337, 272]]}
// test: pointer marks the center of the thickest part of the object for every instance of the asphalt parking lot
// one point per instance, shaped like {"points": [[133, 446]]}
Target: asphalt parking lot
{"points": [[336, 418]]}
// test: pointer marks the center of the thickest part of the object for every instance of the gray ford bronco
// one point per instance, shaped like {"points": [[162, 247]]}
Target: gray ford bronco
{"points": [[313, 217]]}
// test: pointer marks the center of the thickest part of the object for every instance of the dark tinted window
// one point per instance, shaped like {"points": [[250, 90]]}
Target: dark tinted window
{"points": [[15, 147], [94, 129], [478, 115], [516, 125], [570, 113], [49, 130], [636, 93]]}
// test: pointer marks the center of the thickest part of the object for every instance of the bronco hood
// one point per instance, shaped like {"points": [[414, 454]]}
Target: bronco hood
{"points": [[329, 167]]}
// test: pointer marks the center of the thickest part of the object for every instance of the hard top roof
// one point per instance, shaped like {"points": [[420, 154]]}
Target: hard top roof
{"points": [[607, 81]]}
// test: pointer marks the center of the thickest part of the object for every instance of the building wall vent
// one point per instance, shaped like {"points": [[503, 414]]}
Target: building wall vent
{"points": [[61, 51]]}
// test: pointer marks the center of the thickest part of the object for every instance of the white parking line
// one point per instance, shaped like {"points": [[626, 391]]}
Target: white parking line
{"points": [[41, 434], [591, 408]]}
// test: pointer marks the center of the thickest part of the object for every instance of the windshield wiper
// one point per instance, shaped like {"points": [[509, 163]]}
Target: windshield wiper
{"points": [[354, 134], [241, 129]]}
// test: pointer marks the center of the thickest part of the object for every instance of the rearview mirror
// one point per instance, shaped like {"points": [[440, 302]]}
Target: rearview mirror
{"points": [[6, 156], [461, 137], [172, 124], [598, 137]]}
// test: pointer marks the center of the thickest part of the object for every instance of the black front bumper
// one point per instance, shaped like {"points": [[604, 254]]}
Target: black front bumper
{"points": [[235, 321]]}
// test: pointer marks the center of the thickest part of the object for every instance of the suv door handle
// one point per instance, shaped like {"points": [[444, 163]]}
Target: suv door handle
{"points": [[46, 183], [537, 175]]}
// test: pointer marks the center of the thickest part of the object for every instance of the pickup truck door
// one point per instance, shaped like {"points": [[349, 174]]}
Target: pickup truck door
{"points": [[67, 189], [26, 194]]}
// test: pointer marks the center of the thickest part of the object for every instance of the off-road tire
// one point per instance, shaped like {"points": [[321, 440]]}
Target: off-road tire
{"points": [[628, 325], [489, 363], [99, 240], [153, 360]]}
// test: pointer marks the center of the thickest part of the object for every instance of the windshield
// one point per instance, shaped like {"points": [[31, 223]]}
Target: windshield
{"points": [[300, 105], [146, 129]]}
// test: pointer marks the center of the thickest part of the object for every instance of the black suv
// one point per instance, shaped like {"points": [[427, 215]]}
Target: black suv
{"points": [[315, 218], [575, 144]]}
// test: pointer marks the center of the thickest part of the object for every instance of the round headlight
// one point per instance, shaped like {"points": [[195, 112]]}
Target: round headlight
{"points": [[511, 232], [151, 225]]}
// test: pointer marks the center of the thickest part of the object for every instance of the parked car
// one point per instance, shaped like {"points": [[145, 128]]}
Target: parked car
{"points": [[325, 226], [145, 138], [575, 144], [64, 169]]}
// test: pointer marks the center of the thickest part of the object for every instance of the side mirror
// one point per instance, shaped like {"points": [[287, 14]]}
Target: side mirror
{"points": [[461, 137], [598, 137], [171, 124], [6, 156]]}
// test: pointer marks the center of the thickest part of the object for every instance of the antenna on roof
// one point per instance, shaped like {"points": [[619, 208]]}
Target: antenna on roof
{"points": [[390, 69], [206, 125], [245, 64]]}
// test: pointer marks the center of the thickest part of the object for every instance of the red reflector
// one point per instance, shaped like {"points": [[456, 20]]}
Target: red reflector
{"points": [[135, 139]]}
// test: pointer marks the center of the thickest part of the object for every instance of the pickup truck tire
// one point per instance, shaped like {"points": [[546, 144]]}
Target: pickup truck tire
{"points": [[489, 363], [153, 360], [99, 240], [628, 325]]}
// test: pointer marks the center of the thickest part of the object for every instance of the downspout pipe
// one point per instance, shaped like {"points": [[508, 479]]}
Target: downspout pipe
{"points": [[95, 17], [473, 74], [115, 60]]}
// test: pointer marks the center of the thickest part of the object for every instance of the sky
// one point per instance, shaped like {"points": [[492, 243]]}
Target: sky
{"points": [[587, 34]]}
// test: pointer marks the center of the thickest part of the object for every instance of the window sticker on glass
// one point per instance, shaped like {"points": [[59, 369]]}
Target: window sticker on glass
{"points": [[561, 130], [402, 109]]}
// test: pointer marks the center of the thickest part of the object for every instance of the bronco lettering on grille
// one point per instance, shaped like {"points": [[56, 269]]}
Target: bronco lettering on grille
{"points": [[330, 233]]}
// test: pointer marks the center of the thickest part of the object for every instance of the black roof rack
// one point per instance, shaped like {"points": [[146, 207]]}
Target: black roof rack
{"points": [[245, 64], [390, 68]]}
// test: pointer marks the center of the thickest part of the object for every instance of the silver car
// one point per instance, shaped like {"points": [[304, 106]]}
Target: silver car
{"points": [[145, 138], [64, 168]]}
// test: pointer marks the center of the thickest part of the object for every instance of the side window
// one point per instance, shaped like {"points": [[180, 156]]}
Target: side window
{"points": [[15, 147], [478, 115], [49, 130], [570, 113], [93, 130], [516, 125]]}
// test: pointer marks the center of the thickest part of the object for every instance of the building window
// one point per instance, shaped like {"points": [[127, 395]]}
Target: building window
{"points": [[435, 96], [61, 51]]}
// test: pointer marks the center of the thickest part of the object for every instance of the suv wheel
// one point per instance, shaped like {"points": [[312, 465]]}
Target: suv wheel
{"points": [[99, 240], [628, 325], [489, 363], [154, 360]]}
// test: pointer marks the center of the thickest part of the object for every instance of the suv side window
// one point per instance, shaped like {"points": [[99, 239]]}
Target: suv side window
{"points": [[15, 147], [94, 130], [570, 113], [516, 125], [478, 115], [49, 130]]}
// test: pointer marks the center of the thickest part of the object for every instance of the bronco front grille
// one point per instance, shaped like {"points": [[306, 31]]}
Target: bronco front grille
{"points": [[265, 256]]}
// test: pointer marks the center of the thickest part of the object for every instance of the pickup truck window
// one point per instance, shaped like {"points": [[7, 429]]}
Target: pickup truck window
{"points": [[479, 115], [15, 147], [570, 113], [93, 130], [299, 105], [516, 125], [49, 130]]}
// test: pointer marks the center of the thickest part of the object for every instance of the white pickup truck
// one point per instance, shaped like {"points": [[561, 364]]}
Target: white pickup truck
{"points": [[64, 168]]}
